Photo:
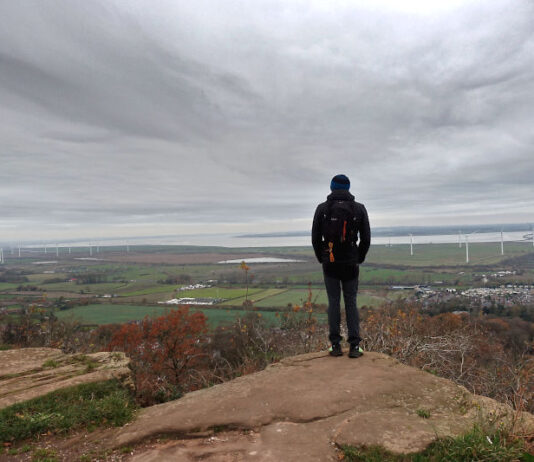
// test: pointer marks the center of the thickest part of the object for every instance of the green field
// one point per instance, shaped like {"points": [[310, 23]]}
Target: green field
{"points": [[137, 285], [114, 313], [131, 272], [148, 290], [100, 288], [387, 276], [293, 296], [319, 297], [218, 292], [264, 294], [445, 254], [260, 297], [10, 285], [40, 277]]}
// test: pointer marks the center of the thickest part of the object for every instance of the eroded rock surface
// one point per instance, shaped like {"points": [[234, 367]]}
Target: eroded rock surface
{"points": [[30, 372], [304, 407]]}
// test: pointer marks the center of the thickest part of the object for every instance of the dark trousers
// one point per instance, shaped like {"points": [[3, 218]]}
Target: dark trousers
{"points": [[334, 283]]}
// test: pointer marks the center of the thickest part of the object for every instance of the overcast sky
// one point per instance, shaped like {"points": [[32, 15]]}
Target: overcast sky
{"points": [[156, 117]]}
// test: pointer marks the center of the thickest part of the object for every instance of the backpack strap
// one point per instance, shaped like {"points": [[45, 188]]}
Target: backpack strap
{"points": [[327, 214], [355, 214], [328, 211]]}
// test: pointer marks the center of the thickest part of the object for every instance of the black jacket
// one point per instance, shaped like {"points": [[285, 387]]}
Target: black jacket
{"points": [[364, 231]]}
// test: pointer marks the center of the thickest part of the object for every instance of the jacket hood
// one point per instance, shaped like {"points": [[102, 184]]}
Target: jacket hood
{"points": [[340, 195]]}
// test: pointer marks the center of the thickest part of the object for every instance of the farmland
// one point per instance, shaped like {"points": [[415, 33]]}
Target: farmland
{"points": [[110, 314], [118, 286]]}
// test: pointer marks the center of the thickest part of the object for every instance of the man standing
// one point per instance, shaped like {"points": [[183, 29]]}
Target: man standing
{"points": [[337, 225]]}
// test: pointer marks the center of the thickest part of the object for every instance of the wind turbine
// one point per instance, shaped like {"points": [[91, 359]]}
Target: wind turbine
{"points": [[2, 256], [411, 244], [460, 238], [466, 248], [467, 245], [502, 243]]}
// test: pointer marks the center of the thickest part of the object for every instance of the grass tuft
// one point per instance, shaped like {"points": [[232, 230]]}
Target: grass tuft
{"points": [[44, 455], [423, 413], [88, 405], [476, 445], [50, 363]]}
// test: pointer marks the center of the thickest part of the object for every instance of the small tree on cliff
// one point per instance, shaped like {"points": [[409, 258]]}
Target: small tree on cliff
{"points": [[245, 268]]}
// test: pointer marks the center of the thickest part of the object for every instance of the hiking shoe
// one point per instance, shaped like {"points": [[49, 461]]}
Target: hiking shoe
{"points": [[335, 350], [355, 351]]}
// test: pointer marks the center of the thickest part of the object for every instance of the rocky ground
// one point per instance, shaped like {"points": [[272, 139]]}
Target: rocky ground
{"points": [[305, 407], [30, 372]]}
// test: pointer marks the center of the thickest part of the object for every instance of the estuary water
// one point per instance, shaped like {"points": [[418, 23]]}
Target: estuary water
{"points": [[231, 240]]}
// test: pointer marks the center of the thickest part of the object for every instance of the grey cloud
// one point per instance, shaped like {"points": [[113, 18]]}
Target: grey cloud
{"points": [[122, 112]]}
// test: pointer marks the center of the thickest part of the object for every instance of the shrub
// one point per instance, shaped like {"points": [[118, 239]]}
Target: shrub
{"points": [[163, 351], [457, 347], [35, 327], [250, 344], [101, 337], [301, 327]]}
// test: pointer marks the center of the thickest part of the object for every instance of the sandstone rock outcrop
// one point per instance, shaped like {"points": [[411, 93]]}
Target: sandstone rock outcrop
{"points": [[30, 372], [305, 406]]}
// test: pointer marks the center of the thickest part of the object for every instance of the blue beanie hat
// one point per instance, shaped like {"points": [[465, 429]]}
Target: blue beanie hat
{"points": [[340, 182]]}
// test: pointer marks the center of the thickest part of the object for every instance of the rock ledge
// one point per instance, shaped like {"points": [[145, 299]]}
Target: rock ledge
{"points": [[305, 406], [27, 373]]}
